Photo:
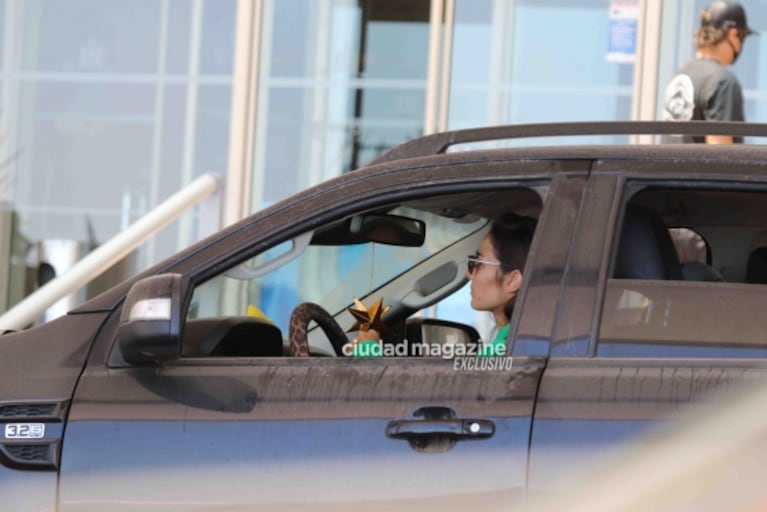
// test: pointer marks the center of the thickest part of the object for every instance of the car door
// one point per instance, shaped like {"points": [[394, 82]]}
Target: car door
{"points": [[632, 349], [218, 433]]}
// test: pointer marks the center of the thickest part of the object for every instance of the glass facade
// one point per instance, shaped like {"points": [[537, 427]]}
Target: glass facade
{"points": [[340, 82], [533, 61], [107, 107]]}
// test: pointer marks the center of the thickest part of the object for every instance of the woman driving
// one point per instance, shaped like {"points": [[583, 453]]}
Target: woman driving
{"points": [[495, 272]]}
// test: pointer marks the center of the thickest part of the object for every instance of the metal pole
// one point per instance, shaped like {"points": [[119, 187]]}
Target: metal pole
{"points": [[447, 67], [190, 124], [242, 117], [432, 72], [646, 65]]}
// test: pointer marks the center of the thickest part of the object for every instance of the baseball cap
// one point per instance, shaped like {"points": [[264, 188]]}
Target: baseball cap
{"points": [[723, 14]]}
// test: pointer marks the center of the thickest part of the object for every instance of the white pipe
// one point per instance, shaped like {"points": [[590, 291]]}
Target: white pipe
{"points": [[447, 66], [242, 112], [646, 65], [432, 71], [103, 257], [190, 114]]}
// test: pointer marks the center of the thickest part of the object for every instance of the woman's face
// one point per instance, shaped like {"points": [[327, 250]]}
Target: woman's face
{"points": [[491, 288]]}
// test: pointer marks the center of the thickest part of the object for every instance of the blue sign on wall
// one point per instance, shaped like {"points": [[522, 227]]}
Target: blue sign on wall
{"points": [[623, 32]]}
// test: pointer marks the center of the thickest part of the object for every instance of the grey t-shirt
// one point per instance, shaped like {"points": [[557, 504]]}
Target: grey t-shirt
{"points": [[704, 89]]}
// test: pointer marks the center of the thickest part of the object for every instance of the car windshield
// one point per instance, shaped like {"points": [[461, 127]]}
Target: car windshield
{"points": [[328, 274]]}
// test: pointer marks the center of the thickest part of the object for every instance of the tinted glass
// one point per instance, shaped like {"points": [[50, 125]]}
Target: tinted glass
{"points": [[341, 83], [660, 305]]}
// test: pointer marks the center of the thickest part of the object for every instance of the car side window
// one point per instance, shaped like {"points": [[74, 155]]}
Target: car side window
{"points": [[702, 301], [411, 256], [331, 267]]}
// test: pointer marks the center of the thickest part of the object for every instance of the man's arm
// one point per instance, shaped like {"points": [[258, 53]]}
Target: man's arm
{"points": [[719, 139]]}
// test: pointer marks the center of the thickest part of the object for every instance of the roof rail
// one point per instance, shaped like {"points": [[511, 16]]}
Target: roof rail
{"points": [[439, 142]]}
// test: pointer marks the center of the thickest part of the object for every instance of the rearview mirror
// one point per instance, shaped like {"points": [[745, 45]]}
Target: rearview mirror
{"points": [[389, 229], [381, 228], [150, 323]]}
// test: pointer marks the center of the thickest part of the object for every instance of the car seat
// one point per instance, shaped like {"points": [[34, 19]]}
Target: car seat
{"points": [[645, 250], [756, 266]]}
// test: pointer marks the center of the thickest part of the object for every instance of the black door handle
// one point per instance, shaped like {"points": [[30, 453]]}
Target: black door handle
{"points": [[436, 429], [457, 428]]}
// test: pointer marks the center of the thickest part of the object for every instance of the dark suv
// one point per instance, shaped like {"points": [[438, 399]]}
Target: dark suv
{"points": [[189, 387]]}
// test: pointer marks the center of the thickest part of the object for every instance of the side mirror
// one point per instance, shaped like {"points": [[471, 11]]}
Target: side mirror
{"points": [[151, 319], [432, 331]]}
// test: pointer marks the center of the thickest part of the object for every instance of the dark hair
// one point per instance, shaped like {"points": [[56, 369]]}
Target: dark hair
{"points": [[511, 236]]}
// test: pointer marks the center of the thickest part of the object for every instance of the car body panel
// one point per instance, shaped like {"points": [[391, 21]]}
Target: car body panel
{"points": [[252, 419], [41, 368], [43, 363], [591, 399], [588, 407], [265, 433]]}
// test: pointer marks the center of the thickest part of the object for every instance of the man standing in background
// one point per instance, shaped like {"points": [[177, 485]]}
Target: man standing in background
{"points": [[706, 88]]}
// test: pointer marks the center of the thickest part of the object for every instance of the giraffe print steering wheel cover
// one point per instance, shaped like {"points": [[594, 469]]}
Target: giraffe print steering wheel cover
{"points": [[299, 326]]}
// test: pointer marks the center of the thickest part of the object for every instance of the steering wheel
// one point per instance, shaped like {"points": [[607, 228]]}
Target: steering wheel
{"points": [[299, 324]]}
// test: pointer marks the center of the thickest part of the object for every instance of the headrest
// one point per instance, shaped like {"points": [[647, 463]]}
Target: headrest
{"points": [[646, 250], [756, 266]]}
